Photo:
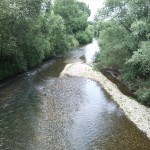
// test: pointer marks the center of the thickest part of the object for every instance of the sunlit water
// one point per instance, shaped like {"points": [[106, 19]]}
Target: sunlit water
{"points": [[39, 111]]}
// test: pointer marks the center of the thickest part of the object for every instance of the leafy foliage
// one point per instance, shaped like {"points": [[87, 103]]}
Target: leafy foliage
{"points": [[86, 36], [123, 29], [75, 15], [34, 30]]}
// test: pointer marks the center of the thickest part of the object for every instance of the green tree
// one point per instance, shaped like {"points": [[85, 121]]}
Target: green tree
{"points": [[74, 13], [123, 27], [30, 31], [86, 36]]}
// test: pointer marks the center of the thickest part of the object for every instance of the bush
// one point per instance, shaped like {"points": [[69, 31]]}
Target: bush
{"points": [[86, 36], [143, 95]]}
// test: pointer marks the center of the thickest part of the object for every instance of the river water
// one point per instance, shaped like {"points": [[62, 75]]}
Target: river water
{"points": [[40, 111]]}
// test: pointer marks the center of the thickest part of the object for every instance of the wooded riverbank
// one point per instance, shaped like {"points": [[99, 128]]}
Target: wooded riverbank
{"points": [[32, 31]]}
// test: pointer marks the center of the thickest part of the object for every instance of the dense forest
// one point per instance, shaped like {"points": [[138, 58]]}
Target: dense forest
{"points": [[123, 28], [34, 30]]}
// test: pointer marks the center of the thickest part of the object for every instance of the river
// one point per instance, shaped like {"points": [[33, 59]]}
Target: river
{"points": [[39, 110]]}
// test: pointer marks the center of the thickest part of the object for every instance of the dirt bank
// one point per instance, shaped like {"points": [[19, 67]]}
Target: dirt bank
{"points": [[136, 112]]}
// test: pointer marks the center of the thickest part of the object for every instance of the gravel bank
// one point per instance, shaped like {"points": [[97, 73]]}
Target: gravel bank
{"points": [[136, 112]]}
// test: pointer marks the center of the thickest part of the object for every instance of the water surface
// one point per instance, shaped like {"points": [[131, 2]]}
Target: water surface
{"points": [[39, 111]]}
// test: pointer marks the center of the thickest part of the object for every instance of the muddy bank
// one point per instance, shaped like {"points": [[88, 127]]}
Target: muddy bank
{"points": [[136, 112]]}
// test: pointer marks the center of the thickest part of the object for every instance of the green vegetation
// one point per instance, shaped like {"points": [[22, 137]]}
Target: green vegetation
{"points": [[86, 36], [75, 15], [123, 28], [34, 30]]}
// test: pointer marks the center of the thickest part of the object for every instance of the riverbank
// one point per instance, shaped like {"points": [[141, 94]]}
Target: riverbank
{"points": [[137, 113]]}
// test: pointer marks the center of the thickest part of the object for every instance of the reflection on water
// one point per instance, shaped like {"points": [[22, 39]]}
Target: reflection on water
{"points": [[99, 124], [85, 53], [38, 111], [90, 51]]}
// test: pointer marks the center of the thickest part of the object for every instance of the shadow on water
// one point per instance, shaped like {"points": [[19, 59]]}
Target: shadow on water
{"points": [[122, 87], [17, 117], [38, 111]]}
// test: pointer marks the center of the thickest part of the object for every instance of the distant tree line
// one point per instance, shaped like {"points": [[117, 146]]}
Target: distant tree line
{"points": [[123, 28], [34, 30]]}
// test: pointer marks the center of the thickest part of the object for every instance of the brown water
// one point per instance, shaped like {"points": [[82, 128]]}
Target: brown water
{"points": [[121, 86], [39, 111]]}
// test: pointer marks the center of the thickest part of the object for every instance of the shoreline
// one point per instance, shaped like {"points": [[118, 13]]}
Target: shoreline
{"points": [[137, 113]]}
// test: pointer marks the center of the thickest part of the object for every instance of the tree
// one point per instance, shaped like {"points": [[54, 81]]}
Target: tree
{"points": [[74, 13], [30, 31], [86, 36], [123, 27]]}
